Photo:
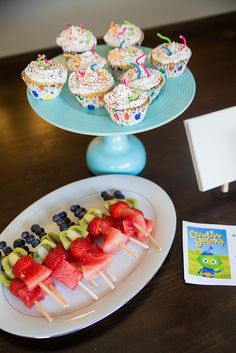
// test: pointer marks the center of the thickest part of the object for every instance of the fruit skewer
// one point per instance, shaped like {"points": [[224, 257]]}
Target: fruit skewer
{"points": [[69, 233]]}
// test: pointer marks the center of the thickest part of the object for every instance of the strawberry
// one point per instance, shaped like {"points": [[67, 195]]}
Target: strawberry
{"points": [[54, 258], [22, 265], [94, 227], [136, 210], [95, 253], [16, 285], [118, 224], [116, 209], [107, 222], [80, 246]]}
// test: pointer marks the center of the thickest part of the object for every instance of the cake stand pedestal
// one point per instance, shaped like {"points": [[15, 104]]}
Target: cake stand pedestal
{"points": [[115, 150]]}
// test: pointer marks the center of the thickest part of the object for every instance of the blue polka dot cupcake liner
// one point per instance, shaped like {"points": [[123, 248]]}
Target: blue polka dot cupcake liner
{"points": [[173, 69], [129, 117], [91, 101], [154, 92]]}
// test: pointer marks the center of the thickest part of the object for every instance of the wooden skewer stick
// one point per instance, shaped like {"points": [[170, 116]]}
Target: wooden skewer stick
{"points": [[53, 289], [108, 282], [52, 295], [89, 291], [224, 188], [157, 245], [130, 251], [145, 246], [110, 274], [94, 283], [43, 311]]}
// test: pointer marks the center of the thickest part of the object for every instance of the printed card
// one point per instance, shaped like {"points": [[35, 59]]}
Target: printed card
{"points": [[209, 252]]}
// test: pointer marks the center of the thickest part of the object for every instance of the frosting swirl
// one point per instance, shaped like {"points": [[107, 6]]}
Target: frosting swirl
{"points": [[173, 52], [127, 31], [123, 57], [124, 97], [145, 82], [76, 39], [90, 81], [49, 73], [86, 59]]}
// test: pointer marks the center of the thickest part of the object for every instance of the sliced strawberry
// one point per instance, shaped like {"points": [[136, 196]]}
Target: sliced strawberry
{"points": [[95, 253], [118, 224], [21, 266], [94, 227], [54, 258], [35, 274], [68, 274], [116, 209], [113, 239], [80, 246], [99, 263], [107, 222], [16, 285]]}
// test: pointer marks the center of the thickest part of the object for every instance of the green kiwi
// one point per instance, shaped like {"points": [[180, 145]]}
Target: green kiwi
{"points": [[4, 280], [54, 237], [7, 267], [13, 258], [76, 231], [20, 252], [133, 203], [43, 249], [64, 238], [89, 216]]}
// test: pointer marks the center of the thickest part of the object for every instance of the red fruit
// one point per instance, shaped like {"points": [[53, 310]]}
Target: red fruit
{"points": [[113, 239], [68, 274], [95, 253], [35, 274], [99, 263], [29, 297], [21, 266], [130, 218], [136, 210], [118, 224], [150, 225], [107, 222], [94, 227], [16, 285], [54, 258], [80, 246], [116, 209]]}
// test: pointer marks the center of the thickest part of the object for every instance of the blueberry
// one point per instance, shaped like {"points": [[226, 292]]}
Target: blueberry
{"points": [[42, 234], [35, 243], [18, 243], [66, 220], [39, 231], [118, 194], [29, 239], [56, 218], [62, 214], [7, 250], [108, 197], [60, 222], [3, 244], [74, 207], [25, 247], [104, 193], [34, 228], [77, 212], [81, 215], [64, 227], [83, 209], [71, 223], [24, 234]]}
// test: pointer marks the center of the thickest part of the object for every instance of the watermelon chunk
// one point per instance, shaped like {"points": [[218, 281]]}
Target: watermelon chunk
{"points": [[97, 263], [35, 274], [150, 225], [129, 218], [68, 274], [113, 239]]}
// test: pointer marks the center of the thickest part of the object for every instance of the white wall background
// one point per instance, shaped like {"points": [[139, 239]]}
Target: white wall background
{"points": [[27, 25]]}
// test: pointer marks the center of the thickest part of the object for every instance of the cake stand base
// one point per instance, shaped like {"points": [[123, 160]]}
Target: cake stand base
{"points": [[116, 155]]}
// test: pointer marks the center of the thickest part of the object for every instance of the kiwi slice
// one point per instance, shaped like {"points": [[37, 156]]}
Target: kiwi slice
{"points": [[42, 250], [89, 216], [76, 232], [133, 203], [13, 258], [7, 267], [20, 252], [64, 238], [54, 237], [4, 280]]}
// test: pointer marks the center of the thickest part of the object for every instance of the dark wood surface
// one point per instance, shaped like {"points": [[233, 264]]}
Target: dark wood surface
{"points": [[36, 158]]}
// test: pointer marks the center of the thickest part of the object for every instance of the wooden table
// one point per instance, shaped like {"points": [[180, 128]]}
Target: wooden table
{"points": [[36, 158]]}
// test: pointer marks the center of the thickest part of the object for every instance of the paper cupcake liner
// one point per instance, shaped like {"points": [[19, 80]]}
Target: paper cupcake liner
{"points": [[42, 91], [171, 70], [129, 117], [91, 102]]}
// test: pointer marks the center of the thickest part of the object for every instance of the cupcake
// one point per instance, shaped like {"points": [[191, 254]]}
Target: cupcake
{"points": [[171, 58], [90, 86], [85, 60], [76, 39], [126, 31], [148, 80], [126, 105], [44, 78], [119, 59]]}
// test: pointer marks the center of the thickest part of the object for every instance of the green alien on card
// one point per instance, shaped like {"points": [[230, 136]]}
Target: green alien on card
{"points": [[209, 263]]}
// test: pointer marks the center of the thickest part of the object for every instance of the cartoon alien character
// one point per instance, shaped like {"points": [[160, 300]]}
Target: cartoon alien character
{"points": [[209, 262]]}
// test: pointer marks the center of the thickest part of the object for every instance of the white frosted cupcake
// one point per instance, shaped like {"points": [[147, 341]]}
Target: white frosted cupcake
{"points": [[44, 78], [171, 58], [76, 39], [126, 31], [119, 59], [85, 60], [90, 86], [149, 80], [126, 105]]}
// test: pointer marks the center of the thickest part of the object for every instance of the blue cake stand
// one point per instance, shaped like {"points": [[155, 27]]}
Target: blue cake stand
{"points": [[115, 149]]}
